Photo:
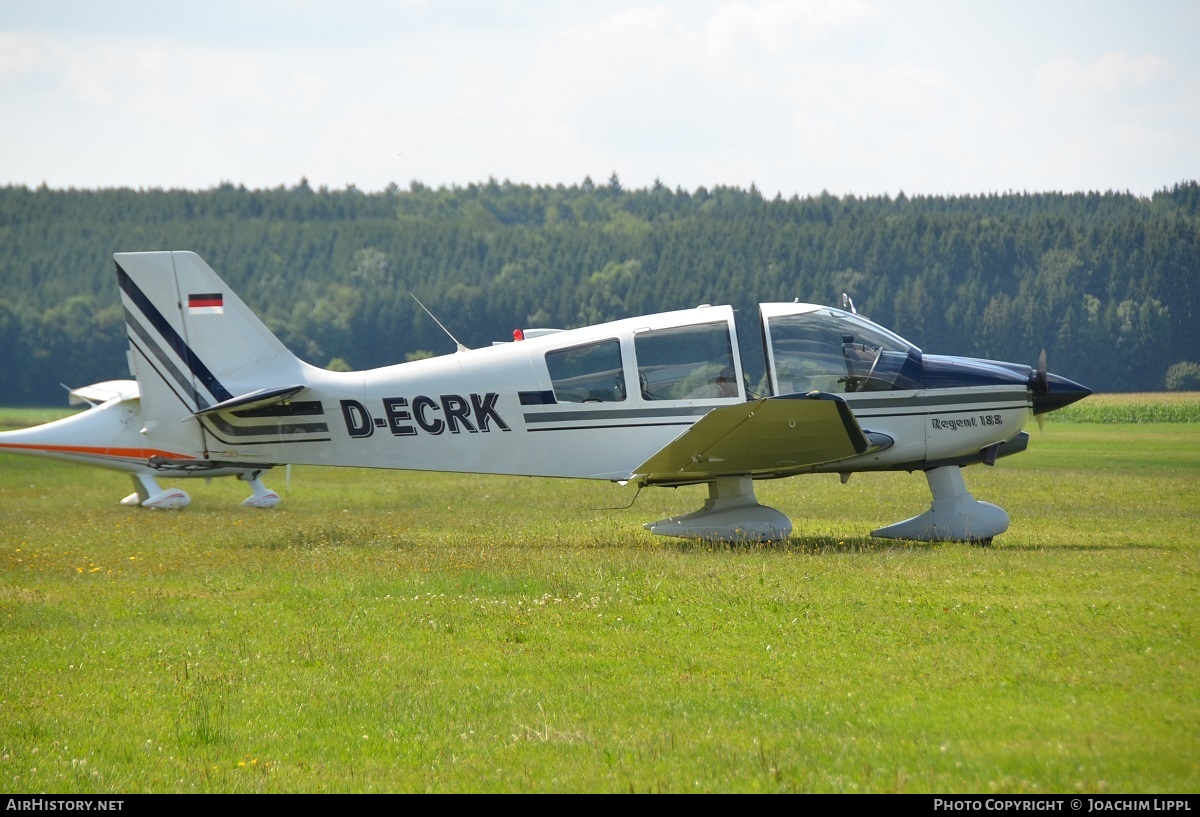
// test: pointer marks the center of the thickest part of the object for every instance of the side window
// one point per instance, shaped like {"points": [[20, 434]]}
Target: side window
{"points": [[687, 363], [587, 374]]}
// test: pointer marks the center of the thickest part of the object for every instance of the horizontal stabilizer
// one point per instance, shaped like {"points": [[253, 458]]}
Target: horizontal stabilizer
{"points": [[775, 436], [254, 399], [98, 393]]}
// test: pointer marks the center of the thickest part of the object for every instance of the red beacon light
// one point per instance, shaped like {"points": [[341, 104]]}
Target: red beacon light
{"points": [[518, 334]]}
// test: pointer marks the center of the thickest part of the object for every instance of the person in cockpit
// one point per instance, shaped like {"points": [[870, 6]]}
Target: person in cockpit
{"points": [[725, 385]]}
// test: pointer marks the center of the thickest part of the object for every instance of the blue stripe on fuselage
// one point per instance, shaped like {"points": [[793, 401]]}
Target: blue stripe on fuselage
{"points": [[963, 372]]}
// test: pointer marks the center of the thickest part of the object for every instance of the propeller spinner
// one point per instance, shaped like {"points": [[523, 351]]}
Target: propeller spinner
{"points": [[1051, 391]]}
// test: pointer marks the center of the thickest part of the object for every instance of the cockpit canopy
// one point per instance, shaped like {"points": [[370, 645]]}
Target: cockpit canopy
{"points": [[824, 349], [692, 355]]}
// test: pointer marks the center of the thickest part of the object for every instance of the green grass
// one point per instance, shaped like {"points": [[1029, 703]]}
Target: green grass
{"points": [[398, 632], [1153, 407], [11, 418]]}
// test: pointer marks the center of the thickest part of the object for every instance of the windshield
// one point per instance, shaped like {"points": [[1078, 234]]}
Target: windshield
{"points": [[824, 349]]}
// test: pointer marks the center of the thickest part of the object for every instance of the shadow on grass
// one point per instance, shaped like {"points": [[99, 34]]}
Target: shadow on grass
{"points": [[810, 545], [840, 545], [314, 537], [1128, 546]]}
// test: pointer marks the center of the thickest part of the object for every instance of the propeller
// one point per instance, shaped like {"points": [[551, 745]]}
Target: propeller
{"points": [[1041, 385], [1051, 392]]}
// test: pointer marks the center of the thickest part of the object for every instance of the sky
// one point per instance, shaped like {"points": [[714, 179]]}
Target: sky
{"points": [[796, 97]]}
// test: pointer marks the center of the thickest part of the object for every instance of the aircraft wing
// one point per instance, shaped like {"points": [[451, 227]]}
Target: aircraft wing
{"points": [[775, 436]]}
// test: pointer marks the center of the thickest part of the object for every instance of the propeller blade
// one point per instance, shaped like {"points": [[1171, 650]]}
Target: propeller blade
{"points": [[1041, 384]]}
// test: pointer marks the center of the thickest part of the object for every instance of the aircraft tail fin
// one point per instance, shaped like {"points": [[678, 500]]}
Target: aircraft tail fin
{"points": [[194, 345]]}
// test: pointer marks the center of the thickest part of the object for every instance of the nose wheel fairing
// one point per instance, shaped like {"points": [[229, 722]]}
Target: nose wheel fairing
{"points": [[954, 516]]}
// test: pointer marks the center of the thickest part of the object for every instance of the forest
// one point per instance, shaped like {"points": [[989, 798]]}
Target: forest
{"points": [[1107, 282]]}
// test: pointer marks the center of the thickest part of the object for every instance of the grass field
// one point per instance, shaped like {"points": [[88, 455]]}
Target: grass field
{"points": [[397, 632], [1157, 407]]}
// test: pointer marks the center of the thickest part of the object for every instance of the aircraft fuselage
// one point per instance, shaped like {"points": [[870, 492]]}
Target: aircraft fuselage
{"points": [[504, 410]]}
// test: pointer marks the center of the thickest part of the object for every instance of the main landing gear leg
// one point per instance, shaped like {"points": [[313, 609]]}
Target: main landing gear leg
{"points": [[262, 497], [730, 514], [148, 494], [954, 516]]}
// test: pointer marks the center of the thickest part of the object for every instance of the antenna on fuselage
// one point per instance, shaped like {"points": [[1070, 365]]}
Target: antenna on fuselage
{"points": [[461, 348], [848, 304]]}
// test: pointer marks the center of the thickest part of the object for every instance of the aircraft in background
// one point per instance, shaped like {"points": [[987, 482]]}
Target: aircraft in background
{"points": [[109, 435], [646, 400]]}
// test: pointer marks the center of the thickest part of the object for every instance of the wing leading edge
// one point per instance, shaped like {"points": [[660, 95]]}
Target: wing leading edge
{"points": [[775, 436]]}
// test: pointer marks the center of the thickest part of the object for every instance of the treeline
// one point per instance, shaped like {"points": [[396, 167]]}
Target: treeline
{"points": [[1106, 282]]}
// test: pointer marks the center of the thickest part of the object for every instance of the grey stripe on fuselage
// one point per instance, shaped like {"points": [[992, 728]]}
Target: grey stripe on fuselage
{"points": [[938, 404], [616, 414]]}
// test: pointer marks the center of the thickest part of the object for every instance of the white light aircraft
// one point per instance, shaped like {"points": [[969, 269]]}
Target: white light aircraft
{"points": [[108, 435], [653, 400]]}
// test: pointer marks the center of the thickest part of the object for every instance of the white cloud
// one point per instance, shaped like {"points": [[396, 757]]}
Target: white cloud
{"points": [[184, 82], [781, 25], [794, 95], [22, 53], [655, 80], [1066, 77]]}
